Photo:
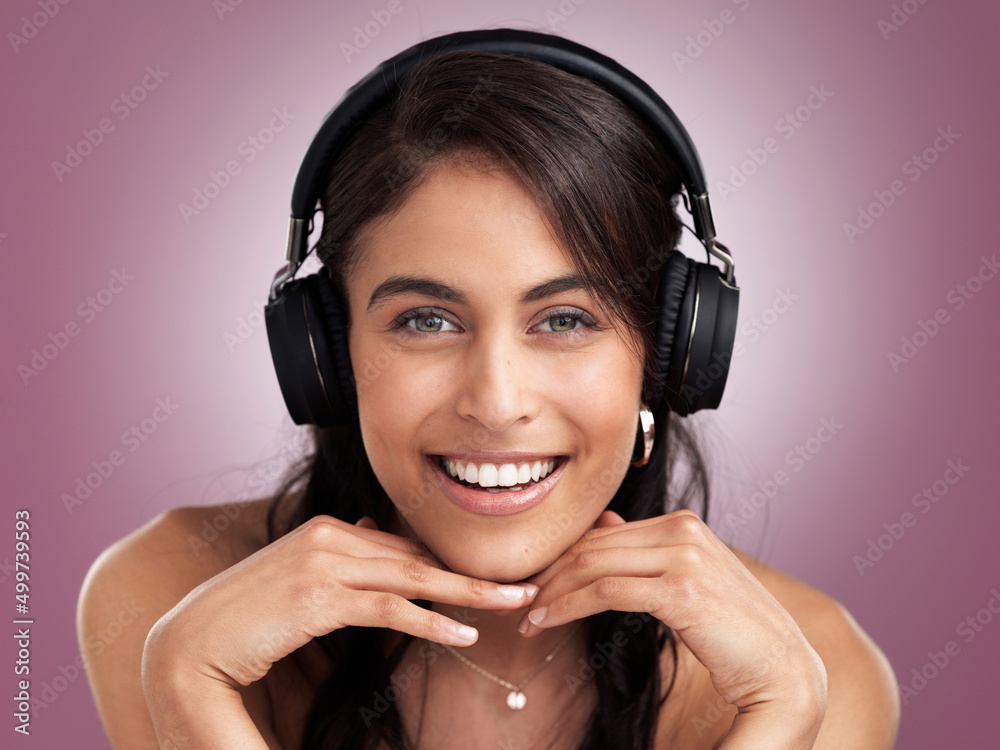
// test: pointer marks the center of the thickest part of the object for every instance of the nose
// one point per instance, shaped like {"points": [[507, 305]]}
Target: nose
{"points": [[498, 385]]}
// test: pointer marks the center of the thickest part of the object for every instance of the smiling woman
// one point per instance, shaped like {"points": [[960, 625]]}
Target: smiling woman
{"points": [[497, 288]]}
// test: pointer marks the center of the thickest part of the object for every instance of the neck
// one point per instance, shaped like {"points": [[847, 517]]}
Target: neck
{"points": [[500, 648]]}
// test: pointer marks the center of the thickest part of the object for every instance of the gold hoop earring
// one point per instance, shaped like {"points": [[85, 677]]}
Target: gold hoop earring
{"points": [[644, 437]]}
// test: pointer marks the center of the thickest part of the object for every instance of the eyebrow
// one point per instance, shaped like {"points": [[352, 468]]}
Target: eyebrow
{"points": [[398, 285]]}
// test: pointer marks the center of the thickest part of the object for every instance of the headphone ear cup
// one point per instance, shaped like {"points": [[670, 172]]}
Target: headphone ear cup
{"points": [[696, 331], [675, 305], [304, 328], [711, 350], [336, 325]]}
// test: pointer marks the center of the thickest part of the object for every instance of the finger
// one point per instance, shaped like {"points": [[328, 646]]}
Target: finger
{"points": [[659, 531], [414, 579], [367, 522], [615, 562], [386, 610], [617, 593]]}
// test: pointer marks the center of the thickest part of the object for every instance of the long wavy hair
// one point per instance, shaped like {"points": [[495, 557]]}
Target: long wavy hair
{"points": [[609, 189]]}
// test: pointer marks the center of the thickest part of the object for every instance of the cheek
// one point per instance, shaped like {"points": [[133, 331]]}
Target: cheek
{"points": [[604, 390], [391, 401]]}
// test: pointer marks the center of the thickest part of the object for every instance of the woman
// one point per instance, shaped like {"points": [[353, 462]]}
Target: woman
{"points": [[392, 595]]}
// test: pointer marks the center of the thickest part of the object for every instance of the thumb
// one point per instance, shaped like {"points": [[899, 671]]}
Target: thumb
{"points": [[367, 522]]}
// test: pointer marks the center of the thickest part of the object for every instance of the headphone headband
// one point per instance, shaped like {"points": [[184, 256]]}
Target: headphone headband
{"points": [[361, 100]]}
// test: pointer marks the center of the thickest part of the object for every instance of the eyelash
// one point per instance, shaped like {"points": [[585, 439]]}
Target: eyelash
{"points": [[401, 322]]}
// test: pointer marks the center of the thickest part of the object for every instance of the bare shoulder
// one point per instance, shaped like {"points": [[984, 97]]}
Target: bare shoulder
{"points": [[137, 580], [863, 697]]}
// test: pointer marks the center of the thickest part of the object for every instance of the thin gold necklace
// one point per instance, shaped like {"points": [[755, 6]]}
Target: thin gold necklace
{"points": [[516, 700]]}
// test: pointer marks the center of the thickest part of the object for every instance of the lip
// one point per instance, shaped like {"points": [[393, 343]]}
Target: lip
{"points": [[487, 503], [498, 457]]}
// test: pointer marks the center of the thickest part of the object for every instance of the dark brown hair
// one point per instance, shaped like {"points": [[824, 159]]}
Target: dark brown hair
{"points": [[607, 187]]}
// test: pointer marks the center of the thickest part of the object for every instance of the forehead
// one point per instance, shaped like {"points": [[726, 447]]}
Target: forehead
{"points": [[475, 227]]}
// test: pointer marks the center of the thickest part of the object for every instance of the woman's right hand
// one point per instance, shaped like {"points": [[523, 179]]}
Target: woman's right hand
{"points": [[324, 575]]}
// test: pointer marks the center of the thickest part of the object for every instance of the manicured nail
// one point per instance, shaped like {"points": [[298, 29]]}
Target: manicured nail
{"points": [[536, 616], [513, 593], [531, 588], [522, 627], [464, 632]]}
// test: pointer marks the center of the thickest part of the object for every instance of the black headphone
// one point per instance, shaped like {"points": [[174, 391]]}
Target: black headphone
{"points": [[306, 321]]}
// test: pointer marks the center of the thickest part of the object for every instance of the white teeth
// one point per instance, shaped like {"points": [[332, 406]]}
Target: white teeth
{"points": [[489, 475], [523, 474], [506, 475]]}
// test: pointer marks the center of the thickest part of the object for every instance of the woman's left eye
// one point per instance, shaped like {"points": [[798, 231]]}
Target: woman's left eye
{"points": [[565, 321], [559, 322]]}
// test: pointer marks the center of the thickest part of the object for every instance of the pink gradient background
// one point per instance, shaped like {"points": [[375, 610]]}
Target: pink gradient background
{"points": [[163, 336]]}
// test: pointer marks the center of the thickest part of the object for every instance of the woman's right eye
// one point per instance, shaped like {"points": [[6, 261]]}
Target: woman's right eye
{"points": [[424, 321]]}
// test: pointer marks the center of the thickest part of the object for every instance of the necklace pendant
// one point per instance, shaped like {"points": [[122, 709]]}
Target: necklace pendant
{"points": [[516, 700]]}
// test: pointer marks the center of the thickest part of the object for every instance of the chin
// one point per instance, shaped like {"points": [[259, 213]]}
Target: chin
{"points": [[503, 568]]}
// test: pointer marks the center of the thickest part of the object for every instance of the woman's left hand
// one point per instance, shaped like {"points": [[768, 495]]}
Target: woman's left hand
{"points": [[676, 569]]}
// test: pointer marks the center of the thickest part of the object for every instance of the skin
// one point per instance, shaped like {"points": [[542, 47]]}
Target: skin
{"points": [[204, 663], [494, 375]]}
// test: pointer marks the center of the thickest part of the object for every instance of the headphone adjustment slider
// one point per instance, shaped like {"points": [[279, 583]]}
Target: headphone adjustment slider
{"points": [[702, 213], [293, 254]]}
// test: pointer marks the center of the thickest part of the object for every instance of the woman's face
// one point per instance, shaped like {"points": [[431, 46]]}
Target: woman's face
{"points": [[461, 346]]}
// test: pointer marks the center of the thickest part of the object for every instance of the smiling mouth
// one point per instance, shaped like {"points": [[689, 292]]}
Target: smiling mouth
{"points": [[545, 471]]}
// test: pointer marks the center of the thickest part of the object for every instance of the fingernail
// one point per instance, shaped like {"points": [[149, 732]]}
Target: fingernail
{"points": [[513, 593], [531, 588], [522, 626], [464, 632], [536, 616]]}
